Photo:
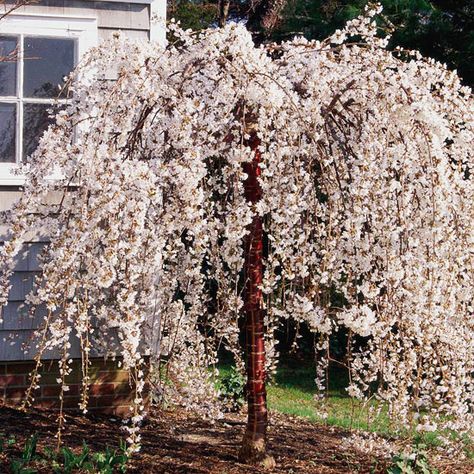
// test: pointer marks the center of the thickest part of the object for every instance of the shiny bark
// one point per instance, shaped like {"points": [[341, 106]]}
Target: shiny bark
{"points": [[254, 443]]}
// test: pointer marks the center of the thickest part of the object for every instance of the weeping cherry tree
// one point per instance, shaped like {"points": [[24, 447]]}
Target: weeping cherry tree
{"points": [[211, 181]]}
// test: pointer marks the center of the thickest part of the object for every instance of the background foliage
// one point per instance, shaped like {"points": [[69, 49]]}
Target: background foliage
{"points": [[441, 29]]}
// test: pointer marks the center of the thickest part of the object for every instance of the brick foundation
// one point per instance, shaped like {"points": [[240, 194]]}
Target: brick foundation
{"points": [[109, 392]]}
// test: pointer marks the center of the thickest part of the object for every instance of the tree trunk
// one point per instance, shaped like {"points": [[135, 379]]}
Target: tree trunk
{"points": [[253, 450], [223, 12], [265, 15]]}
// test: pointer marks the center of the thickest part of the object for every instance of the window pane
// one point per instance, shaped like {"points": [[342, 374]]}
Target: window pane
{"points": [[36, 119], [8, 49], [7, 132], [47, 61]]}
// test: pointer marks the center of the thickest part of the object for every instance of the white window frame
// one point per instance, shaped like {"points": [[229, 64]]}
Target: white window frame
{"points": [[157, 21], [81, 29]]}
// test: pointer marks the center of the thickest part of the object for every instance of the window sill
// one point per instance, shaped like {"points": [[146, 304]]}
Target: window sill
{"points": [[8, 175]]}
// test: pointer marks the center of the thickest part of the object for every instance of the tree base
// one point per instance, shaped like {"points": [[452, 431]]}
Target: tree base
{"points": [[254, 451]]}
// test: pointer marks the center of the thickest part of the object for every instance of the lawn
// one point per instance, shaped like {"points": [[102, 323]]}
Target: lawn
{"points": [[292, 391]]}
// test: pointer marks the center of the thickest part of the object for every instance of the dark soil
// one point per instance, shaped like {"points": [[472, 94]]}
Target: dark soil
{"points": [[174, 442]]}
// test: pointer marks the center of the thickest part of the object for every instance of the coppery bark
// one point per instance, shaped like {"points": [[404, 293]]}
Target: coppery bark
{"points": [[254, 443]]}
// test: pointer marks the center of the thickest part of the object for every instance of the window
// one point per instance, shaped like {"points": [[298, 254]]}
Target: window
{"points": [[40, 52], [30, 84]]}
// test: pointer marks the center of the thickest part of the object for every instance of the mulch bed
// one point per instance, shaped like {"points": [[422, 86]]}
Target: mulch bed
{"points": [[175, 442]]}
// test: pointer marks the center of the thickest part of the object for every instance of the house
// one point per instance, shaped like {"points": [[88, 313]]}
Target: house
{"points": [[44, 39]]}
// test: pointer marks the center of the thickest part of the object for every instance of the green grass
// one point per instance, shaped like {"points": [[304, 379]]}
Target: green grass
{"points": [[292, 391]]}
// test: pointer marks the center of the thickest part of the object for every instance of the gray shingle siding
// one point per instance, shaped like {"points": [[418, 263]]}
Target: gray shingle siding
{"points": [[133, 19]]}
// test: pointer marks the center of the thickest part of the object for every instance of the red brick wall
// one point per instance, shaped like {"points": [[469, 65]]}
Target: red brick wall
{"points": [[109, 392]]}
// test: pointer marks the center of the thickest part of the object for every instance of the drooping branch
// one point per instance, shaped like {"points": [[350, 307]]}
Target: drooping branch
{"points": [[10, 7], [224, 6], [265, 15]]}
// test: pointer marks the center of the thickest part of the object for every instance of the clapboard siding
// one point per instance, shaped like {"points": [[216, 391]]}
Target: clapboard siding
{"points": [[21, 345], [22, 285], [17, 328], [18, 324], [11, 345], [17, 316], [127, 17], [27, 260]]}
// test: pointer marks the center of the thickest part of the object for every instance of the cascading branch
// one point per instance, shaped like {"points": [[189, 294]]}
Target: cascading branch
{"points": [[365, 159]]}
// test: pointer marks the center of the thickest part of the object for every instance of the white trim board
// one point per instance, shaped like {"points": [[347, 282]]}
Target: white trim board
{"points": [[158, 21], [146, 2]]}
